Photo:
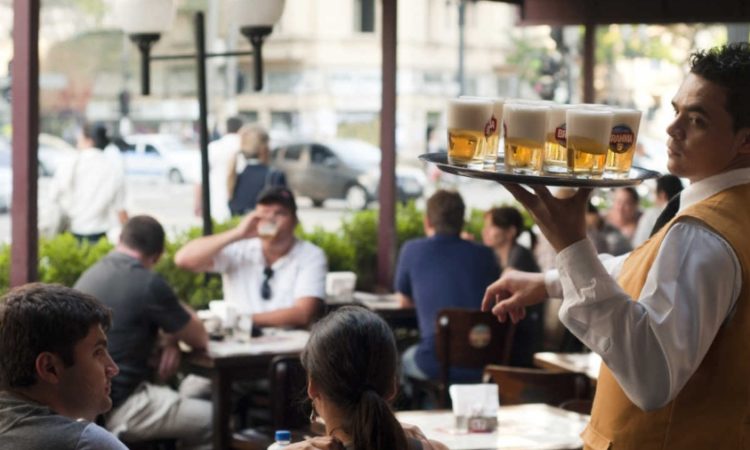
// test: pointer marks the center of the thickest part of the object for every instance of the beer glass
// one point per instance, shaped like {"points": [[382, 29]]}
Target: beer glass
{"points": [[467, 130], [622, 142], [555, 150], [525, 125], [495, 128], [587, 139]]}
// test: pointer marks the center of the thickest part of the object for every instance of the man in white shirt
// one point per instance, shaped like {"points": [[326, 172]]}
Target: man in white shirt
{"points": [[266, 271], [90, 187], [674, 346], [221, 153]]}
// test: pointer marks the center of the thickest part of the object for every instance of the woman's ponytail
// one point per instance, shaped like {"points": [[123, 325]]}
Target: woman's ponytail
{"points": [[373, 425]]}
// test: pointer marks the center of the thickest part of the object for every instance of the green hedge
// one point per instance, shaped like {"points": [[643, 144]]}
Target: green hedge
{"points": [[352, 247]]}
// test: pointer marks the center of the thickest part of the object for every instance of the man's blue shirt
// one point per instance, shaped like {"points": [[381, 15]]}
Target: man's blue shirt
{"points": [[443, 271]]}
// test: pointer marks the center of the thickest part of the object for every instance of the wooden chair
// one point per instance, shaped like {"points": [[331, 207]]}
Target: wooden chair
{"points": [[469, 338], [287, 392], [518, 385]]}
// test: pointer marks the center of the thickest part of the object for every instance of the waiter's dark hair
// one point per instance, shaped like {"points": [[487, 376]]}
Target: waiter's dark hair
{"points": [[352, 359], [729, 67]]}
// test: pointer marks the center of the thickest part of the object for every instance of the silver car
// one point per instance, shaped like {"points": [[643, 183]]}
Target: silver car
{"points": [[346, 169]]}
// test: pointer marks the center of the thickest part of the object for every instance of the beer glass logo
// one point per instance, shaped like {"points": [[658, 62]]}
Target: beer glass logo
{"points": [[561, 135], [491, 127], [622, 139]]}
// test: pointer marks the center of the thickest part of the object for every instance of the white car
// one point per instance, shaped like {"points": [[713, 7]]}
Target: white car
{"points": [[6, 177], [160, 156]]}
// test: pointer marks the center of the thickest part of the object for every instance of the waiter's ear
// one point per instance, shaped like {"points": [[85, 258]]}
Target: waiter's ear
{"points": [[743, 141]]}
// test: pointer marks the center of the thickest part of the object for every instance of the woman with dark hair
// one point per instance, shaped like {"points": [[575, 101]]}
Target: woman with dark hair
{"points": [[502, 226], [351, 361]]}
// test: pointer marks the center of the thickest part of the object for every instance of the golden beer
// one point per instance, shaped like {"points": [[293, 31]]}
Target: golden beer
{"points": [[586, 156], [465, 147], [468, 118], [622, 142], [555, 150], [588, 132], [523, 155], [525, 126]]}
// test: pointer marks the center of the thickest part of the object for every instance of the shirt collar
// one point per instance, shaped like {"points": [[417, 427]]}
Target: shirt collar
{"points": [[712, 185]]}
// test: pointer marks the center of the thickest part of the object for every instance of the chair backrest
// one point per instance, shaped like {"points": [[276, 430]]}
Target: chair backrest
{"points": [[471, 338], [288, 389], [518, 385]]}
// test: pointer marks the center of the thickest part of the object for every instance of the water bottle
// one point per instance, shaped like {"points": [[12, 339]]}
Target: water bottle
{"points": [[283, 439]]}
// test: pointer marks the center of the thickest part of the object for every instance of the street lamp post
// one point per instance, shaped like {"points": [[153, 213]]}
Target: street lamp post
{"points": [[145, 20]]}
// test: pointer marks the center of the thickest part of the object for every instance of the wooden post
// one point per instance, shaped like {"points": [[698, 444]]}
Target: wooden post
{"points": [[387, 190], [25, 108]]}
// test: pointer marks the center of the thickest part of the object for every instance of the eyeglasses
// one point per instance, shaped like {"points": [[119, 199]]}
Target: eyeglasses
{"points": [[265, 287]]}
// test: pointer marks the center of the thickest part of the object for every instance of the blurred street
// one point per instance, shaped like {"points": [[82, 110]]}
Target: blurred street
{"points": [[172, 204]]}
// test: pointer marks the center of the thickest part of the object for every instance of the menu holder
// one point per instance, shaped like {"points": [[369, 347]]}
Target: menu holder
{"points": [[499, 174]]}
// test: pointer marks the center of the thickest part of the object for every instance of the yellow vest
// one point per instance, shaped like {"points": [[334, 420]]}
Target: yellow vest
{"points": [[712, 411]]}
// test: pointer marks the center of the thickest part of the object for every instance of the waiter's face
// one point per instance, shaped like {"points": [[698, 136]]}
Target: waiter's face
{"points": [[702, 141]]}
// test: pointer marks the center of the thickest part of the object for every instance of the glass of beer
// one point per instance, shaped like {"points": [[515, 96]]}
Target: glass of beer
{"points": [[587, 139], [468, 119], [555, 150], [525, 125], [622, 142], [495, 128]]}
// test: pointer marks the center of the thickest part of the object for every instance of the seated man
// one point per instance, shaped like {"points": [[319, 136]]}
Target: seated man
{"points": [[55, 371], [145, 305], [441, 271], [267, 272]]}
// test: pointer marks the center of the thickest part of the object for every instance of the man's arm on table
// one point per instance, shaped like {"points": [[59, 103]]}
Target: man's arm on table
{"points": [[302, 314], [404, 300], [192, 333], [198, 255]]}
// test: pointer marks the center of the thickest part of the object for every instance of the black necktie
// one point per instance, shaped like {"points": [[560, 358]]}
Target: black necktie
{"points": [[667, 214]]}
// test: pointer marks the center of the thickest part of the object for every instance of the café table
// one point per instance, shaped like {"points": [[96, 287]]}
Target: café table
{"points": [[232, 360], [534, 426], [586, 363]]}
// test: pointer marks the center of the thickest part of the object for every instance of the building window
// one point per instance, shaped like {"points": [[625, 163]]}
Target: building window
{"points": [[364, 16]]}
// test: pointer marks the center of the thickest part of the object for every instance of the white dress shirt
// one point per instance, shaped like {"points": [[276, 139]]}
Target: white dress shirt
{"points": [[221, 153], [654, 346], [92, 189], [300, 273]]}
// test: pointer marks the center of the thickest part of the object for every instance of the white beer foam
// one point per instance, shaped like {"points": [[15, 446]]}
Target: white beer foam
{"points": [[628, 117], [469, 113], [556, 117], [590, 123], [524, 120]]}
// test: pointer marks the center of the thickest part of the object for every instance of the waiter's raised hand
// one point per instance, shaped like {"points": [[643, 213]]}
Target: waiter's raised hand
{"points": [[512, 293], [562, 220]]}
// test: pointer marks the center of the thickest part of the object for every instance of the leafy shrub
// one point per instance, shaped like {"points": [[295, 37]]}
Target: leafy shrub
{"points": [[352, 247]]}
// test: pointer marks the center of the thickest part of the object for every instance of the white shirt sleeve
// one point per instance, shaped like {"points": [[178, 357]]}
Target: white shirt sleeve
{"points": [[612, 264], [653, 346]]}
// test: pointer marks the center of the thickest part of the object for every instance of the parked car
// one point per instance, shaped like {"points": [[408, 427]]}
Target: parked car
{"points": [[346, 169], [6, 177], [159, 156]]}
